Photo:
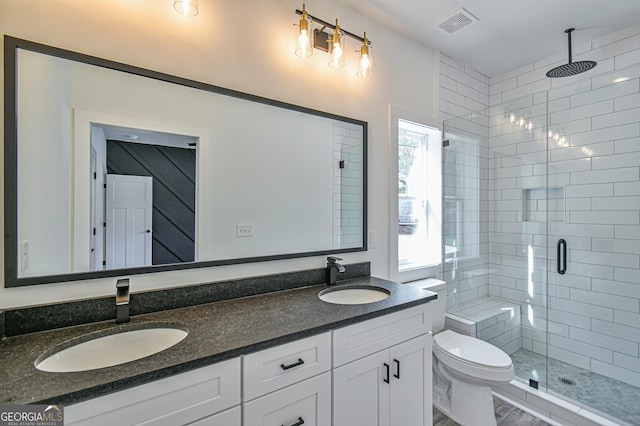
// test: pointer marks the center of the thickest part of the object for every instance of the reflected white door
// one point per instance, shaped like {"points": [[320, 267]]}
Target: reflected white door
{"points": [[129, 204]]}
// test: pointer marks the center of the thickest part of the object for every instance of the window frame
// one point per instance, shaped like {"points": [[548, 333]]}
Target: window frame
{"points": [[434, 195]]}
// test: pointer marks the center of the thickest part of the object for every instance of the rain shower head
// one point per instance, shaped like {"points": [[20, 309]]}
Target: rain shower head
{"points": [[571, 68]]}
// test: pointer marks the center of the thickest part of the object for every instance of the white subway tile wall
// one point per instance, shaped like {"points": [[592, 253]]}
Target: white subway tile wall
{"points": [[592, 168], [348, 204]]}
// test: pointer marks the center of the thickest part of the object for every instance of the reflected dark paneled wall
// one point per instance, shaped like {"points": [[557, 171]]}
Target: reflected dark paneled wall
{"points": [[174, 194]]}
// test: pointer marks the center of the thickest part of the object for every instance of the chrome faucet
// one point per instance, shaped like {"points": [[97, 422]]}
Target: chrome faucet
{"points": [[333, 269], [122, 301]]}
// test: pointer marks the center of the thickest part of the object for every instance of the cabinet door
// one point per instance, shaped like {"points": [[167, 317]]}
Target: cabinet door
{"points": [[360, 393], [307, 402], [410, 390]]}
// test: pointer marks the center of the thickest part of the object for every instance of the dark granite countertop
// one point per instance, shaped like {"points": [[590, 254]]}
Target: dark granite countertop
{"points": [[217, 331]]}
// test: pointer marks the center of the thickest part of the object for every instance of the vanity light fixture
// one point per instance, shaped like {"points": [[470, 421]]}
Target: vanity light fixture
{"points": [[331, 42], [188, 8]]}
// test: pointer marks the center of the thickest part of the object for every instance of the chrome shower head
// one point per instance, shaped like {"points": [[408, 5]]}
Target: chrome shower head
{"points": [[571, 68]]}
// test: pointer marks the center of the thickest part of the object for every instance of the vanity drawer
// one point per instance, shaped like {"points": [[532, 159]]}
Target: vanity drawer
{"points": [[362, 339], [307, 402], [275, 368], [178, 399]]}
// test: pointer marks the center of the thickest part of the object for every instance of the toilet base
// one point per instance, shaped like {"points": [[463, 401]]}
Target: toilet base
{"points": [[465, 403], [470, 405]]}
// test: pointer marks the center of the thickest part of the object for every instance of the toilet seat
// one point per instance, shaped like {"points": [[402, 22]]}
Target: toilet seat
{"points": [[473, 357]]}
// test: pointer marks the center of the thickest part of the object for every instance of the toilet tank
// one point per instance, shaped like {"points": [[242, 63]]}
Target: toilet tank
{"points": [[438, 306]]}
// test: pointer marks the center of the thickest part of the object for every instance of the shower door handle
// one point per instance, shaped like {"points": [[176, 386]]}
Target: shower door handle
{"points": [[562, 256]]}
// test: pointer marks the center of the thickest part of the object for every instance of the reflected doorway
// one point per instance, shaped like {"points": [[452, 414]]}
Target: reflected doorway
{"points": [[167, 162]]}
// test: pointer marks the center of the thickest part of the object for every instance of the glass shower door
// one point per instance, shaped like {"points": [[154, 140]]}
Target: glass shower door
{"points": [[594, 243]]}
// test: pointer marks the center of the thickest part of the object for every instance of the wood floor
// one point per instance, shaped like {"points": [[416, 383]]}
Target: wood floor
{"points": [[506, 415]]}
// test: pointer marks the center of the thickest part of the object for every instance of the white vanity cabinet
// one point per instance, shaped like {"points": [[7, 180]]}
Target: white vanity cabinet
{"points": [[376, 372], [205, 396], [382, 371], [289, 384]]}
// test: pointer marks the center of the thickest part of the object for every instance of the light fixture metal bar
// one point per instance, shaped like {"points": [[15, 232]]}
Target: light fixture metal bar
{"points": [[333, 27]]}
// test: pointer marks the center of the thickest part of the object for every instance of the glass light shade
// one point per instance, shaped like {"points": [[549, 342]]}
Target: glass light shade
{"points": [[337, 45], [364, 69], [187, 8], [304, 43]]}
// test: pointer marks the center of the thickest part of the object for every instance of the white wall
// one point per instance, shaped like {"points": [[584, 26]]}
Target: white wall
{"points": [[246, 46], [46, 184]]}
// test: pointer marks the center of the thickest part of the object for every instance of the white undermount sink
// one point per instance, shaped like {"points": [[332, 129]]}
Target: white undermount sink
{"points": [[354, 294], [112, 349]]}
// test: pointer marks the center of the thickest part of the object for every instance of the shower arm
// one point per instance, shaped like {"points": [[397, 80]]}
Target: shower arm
{"points": [[569, 31]]}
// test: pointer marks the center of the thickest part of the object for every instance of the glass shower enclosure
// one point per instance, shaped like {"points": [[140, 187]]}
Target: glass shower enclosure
{"points": [[541, 236]]}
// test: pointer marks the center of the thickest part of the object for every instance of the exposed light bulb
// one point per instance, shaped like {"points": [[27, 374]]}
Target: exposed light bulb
{"points": [[337, 51], [512, 118], [188, 8], [303, 45], [365, 64]]}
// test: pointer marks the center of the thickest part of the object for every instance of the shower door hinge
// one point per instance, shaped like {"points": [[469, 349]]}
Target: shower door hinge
{"points": [[533, 383], [445, 143]]}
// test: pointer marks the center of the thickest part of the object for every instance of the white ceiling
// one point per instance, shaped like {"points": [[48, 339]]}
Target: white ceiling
{"points": [[509, 33]]}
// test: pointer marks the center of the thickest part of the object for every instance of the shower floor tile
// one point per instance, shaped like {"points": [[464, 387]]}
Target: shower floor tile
{"points": [[611, 397]]}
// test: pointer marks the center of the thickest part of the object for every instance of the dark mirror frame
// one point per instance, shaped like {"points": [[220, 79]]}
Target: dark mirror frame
{"points": [[11, 45]]}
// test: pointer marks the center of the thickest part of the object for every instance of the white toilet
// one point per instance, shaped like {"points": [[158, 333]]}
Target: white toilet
{"points": [[464, 368]]}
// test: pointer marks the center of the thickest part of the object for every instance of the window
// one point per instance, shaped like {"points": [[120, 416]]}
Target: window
{"points": [[415, 214]]}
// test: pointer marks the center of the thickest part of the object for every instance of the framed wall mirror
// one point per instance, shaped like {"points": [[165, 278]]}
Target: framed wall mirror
{"points": [[111, 169]]}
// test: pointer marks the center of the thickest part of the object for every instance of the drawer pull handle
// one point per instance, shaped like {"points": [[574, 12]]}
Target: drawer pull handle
{"points": [[386, 379], [298, 423], [397, 374], [295, 364]]}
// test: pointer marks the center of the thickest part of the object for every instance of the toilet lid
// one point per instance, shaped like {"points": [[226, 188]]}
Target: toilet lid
{"points": [[470, 349]]}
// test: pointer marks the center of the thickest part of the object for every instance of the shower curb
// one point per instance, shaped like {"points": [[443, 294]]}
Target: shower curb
{"points": [[550, 408]]}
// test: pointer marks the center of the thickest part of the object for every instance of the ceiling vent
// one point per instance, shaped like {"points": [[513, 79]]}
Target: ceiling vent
{"points": [[456, 22]]}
